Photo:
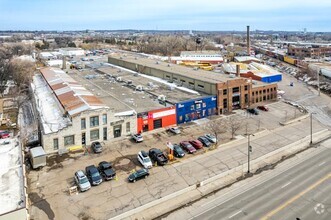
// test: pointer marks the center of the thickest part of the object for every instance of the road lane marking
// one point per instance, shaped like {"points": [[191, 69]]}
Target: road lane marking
{"points": [[286, 185], [321, 164], [294, 198], [235, 214]]}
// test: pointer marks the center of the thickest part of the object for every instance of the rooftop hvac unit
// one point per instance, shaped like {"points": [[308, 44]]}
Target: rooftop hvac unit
{"points": [[157, 62], [121, 58], [119, 79], [161, 97], [171, 88], [169, 65], [150, 84], [120, 70], [139, 87], [129, 82], [195, 68]]}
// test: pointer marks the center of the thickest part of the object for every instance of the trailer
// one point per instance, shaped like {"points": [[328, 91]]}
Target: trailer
{"points": [[37, 157]]}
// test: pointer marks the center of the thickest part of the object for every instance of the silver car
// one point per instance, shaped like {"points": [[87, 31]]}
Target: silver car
{"points": [[82, 181], [211, 138]]}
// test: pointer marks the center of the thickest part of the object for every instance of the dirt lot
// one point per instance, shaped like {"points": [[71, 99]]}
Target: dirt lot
{"points": [[48, 187]]}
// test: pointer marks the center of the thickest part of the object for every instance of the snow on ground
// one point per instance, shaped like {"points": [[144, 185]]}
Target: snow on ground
{"points": [[50, 112], [11, 173], [156, 79]]}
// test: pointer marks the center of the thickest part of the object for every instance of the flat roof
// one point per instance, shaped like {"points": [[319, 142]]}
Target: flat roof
{"points": [[70, 48], [202, 75]]}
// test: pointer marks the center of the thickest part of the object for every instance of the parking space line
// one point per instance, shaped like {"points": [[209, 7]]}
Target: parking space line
{"points": [[286, 185], [235, 214]]}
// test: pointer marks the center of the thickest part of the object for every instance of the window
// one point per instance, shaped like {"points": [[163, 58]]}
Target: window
{"points": [[201, 86], [105, 134], [267, 90], [204, 105], [225, 91], [225, 103], [69, 140], [246, 88], [235, 89], [192, 107], [263, 91], [198, 106], [94, 135], [83, 123], [104, 119], [55, 144], [94, 121], [257, 99], [128, 127]]}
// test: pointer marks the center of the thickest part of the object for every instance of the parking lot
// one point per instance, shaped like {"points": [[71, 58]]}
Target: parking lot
{"points": [[48, 188]]}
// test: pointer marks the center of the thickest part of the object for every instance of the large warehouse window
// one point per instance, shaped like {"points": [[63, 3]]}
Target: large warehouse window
{"points": [[94, 135], [104, 119], [83, 123], [94, 121], [69, 140]]}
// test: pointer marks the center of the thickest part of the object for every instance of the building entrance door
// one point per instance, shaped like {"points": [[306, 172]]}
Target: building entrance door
{"points": [[83, 138], [117, 131]]}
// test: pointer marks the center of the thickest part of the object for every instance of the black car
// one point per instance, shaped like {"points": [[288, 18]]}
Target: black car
{"points": [[96, 146], [93, 175], [204, 141], [106, 170], [157, 156], [253, 111], [178, 151], [139, 174]]}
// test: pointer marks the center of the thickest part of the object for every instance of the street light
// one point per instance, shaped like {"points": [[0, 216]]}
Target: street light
{"points": [[311, 127], [249, 149]]}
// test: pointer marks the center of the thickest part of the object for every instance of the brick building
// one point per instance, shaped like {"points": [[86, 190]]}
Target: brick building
{"points": [[309, 51]]}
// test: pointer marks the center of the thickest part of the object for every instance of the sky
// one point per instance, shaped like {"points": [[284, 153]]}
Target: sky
{"points": [[209, 15]]}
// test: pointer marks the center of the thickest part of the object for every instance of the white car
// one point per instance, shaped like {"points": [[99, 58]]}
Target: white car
{"points": [[211, 138], [144, 159], [174, 130], [137, 138], [82, 181]]}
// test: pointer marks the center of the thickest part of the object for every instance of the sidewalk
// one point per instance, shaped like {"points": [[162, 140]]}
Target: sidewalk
{"points": [[195, 192]]}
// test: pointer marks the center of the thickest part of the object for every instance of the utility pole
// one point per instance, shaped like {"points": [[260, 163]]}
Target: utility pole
{"points": [[311, 127], [318, 82], [249, 148]]}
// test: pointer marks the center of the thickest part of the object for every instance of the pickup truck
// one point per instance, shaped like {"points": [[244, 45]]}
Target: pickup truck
{"points": [[157, 156]]}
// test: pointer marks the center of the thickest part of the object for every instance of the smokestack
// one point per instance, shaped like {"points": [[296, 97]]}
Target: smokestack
{"points": [[64, 63], [248, 42], [238, 70]]}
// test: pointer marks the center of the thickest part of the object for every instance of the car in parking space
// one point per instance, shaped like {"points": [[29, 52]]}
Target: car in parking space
{"points": [[188, 147], [174, 130], [106, 170], [211, 138], [93, 175], [4, 134], [158, 156], [137, 138], [263, 108], [204, 141], [144, 159], [139, 174], [82, 181], [253, 111], [96, 147], [178, 151], [196, 144]]}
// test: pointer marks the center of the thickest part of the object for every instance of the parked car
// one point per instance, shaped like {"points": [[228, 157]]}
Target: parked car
{"points": [[174, 130], [157, 156], [137, 138], [253, 111], [204, 141], [188, 147], [96, 147], [139, 174], [144, 159], [196, 144], [4, 134], [211, 138], [263, 108], [106, 170], [93, 175], [178, 151], [82, 181]]}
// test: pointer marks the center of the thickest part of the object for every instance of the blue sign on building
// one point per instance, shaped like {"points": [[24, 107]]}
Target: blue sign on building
{"points": [[195, 109]]}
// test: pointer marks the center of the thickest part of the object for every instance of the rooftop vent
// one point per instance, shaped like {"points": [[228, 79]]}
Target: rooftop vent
{"points": [[195, 68], [139, 88], [119, 79], [161, 97], [157, 62], [169, 65]]}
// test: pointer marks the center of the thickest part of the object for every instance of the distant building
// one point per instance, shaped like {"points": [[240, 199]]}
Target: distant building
{"points": [[212, 57], [309, 51], [72, 51]]}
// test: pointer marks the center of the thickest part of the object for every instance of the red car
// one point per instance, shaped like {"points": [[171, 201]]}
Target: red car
{"points": [[188, 147], [196, 144], [263, 108], [4, 134]]}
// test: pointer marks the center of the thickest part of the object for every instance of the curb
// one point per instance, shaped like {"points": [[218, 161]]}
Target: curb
{"points": [[294, 120], [255, 164]]}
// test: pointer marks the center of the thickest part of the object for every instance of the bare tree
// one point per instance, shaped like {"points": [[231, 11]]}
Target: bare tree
{"points": [[216, 127], [233, 124], [21, 71]]}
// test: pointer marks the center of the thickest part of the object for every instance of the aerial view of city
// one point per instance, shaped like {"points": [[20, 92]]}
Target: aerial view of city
{"points": [[173, 110]]}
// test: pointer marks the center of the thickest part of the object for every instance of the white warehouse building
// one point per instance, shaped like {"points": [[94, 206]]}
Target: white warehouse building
{"points": [[72, 51], [71, 116]]}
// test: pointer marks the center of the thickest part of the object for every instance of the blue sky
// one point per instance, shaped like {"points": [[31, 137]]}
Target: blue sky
{"points": [[165, 15]]}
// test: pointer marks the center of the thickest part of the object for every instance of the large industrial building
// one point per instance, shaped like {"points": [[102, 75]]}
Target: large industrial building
{"points": [[232, 92], [71, 116]]}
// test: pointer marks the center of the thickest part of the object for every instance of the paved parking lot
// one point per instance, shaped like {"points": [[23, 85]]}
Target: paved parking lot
{"points": [[48, 188]]}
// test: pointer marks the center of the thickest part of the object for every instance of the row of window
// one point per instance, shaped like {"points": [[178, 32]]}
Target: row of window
{"points": [[234, 90], [264, 91], [94, 121]]}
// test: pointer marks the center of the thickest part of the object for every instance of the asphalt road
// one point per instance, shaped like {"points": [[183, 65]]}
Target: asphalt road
{"points": [[302, 192]]}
